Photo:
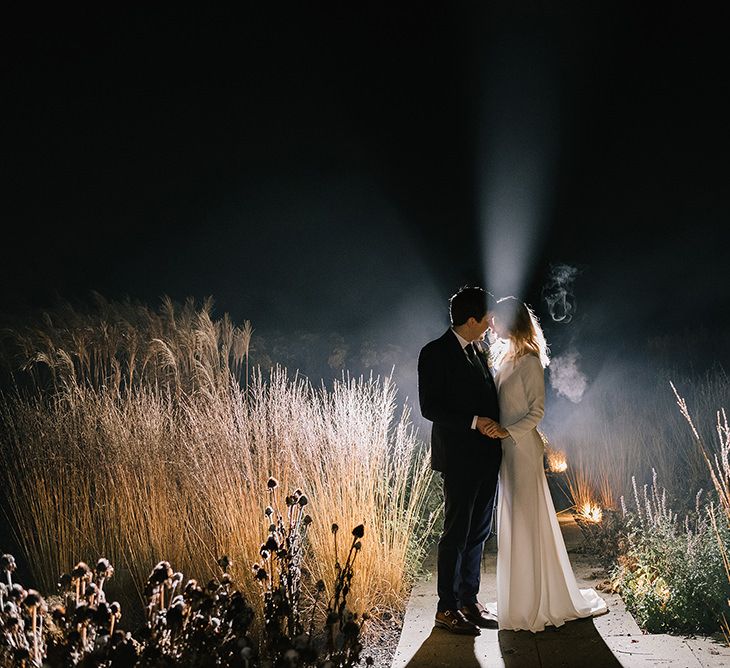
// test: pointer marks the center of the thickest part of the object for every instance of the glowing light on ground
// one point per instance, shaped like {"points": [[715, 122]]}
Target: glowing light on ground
{"points": [[590, 512], [556, 461]]}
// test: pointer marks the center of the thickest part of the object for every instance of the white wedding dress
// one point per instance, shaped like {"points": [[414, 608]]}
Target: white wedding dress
{"points": [[535, 582]]}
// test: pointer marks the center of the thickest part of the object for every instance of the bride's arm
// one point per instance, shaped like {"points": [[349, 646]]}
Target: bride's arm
{"points": [[533, 380]]}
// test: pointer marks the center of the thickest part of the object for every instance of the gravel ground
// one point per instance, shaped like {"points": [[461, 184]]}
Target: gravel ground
{"points": [[382, 641]]}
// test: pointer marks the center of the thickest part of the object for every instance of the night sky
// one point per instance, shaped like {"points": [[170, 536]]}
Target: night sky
{"points": [[322, 168]]}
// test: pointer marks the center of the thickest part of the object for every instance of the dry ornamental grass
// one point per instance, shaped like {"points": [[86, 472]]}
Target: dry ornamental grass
{"points": [[141, 435]]}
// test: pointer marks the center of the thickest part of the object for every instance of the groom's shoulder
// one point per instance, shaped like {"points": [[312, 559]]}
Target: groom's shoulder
{"points": [[439, 343]]}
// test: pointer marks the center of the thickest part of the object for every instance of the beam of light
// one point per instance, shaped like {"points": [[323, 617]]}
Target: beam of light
{"points": [[516, 165]]}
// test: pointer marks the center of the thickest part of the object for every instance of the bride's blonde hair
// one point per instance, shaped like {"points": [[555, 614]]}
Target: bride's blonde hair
{"points": [[525, 333]]}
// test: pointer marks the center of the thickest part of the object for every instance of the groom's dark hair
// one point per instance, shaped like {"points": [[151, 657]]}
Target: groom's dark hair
{"points": [[469, 302]]}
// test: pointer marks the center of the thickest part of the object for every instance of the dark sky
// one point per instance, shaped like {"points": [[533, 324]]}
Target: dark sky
{"points": [[319, 167]]}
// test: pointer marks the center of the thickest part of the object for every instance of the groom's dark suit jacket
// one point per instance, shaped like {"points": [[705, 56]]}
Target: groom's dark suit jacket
{"points": [[451, 392]]}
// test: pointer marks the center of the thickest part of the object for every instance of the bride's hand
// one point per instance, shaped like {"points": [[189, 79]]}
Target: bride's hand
{"points": [[496, 430]]}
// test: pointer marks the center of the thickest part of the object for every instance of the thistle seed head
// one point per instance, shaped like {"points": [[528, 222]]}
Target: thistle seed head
{"points": [[32, 599], [359, 531], [17, 593], [7, 563], [103, 568], [272, 484], [64, 582], [161, 573], [81, 571]]}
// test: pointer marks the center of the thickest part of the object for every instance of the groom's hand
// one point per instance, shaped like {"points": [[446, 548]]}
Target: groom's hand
{"points": [[485, 424], [490, 428]]}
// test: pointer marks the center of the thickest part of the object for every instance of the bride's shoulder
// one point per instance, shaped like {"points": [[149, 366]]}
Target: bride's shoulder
{"points": [[529, 361]]}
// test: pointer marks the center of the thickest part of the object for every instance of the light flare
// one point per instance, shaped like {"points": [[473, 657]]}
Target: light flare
{"points": [[591, 512]]}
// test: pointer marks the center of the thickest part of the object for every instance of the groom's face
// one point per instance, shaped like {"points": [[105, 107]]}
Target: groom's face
{"points": [[479, 327]]}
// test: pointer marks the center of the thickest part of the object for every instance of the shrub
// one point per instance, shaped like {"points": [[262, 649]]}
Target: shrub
{"points": [[672, 575]]}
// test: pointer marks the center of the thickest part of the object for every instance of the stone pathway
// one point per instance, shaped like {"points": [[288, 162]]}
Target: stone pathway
{"points": [[611, 640]]}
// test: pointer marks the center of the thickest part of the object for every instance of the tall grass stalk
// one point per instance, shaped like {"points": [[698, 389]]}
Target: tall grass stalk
{"points": [[718, 464]]}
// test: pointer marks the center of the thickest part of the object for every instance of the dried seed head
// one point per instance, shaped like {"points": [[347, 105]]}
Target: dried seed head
{"points": [[17, 593], [290, 501], [81, 571], [264, 552], [7, 563], [272, 545], [359, 531], [307, 520], [303, 501], [32, 599], [261, 574], [269, 511], [225, 562], [335, 528], [357, 546], [161, 573], [104, 568], [272, 484]]}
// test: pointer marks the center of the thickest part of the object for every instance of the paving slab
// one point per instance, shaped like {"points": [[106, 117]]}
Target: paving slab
{"points": [[609, 641]]}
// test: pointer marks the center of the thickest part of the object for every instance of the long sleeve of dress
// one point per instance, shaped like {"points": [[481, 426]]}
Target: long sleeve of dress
{"points": [[533, 380]]}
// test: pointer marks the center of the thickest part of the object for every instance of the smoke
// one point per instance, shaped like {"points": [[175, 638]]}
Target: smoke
{"points": [[566, 378], [558, 292]]}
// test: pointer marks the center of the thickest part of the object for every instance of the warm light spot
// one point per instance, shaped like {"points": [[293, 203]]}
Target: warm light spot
{"points": [[591, 512], [556, 461]]}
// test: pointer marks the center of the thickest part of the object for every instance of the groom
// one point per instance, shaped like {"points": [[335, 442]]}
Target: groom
{"points": [[457, 393]]}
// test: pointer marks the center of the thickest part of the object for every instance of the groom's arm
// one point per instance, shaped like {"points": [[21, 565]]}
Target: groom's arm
{"points": [[432, 387]]}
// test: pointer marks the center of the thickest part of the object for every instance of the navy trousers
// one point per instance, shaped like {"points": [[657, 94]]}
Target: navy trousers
{"points": [[469, 503]]}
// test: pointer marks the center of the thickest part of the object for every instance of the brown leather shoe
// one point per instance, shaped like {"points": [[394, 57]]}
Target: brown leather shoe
{"points": [[454, 621], [477, 614]]}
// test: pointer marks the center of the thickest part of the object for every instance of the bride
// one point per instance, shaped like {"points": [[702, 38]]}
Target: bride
{"points": [[535, 582]]}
